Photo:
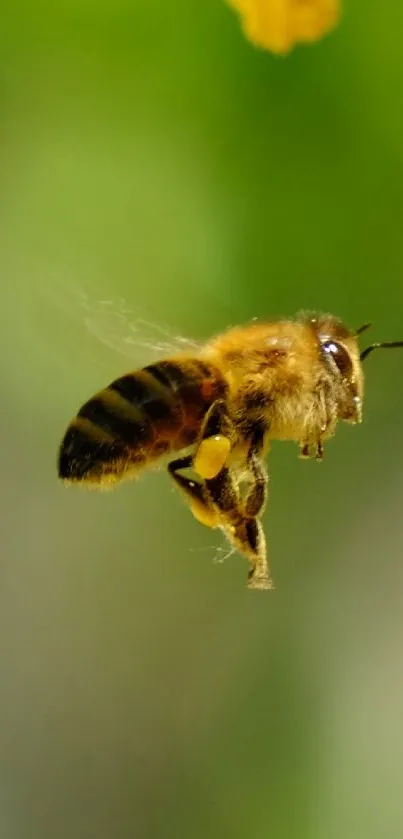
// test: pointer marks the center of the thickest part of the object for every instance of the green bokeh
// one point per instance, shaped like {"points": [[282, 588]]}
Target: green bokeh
{"points": [[151, 155]]}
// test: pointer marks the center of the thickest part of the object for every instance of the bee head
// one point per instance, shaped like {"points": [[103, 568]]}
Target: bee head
{"points": [[339, 350], [340, 356], [343, 362]]}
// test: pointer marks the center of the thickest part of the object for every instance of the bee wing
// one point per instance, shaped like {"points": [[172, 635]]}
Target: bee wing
{"points": [[94, 322], [125, 332]]}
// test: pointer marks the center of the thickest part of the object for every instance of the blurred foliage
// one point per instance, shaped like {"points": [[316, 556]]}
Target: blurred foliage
{"points": [[150, 154]]}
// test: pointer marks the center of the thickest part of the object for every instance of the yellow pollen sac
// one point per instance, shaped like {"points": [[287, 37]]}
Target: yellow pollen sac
{"points": [[211, 456], [278, 25], [204, 515]]}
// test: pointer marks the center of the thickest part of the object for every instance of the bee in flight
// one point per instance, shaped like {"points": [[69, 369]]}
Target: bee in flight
{"points": [[212, 414]]}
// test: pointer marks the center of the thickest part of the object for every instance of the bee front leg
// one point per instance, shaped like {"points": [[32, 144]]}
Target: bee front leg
{"points": [[319, 451], [305, 450], [215, 441]]}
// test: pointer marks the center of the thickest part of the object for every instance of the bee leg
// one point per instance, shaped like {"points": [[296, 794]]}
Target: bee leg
{"points": [[304, 451], [319, 451], [244, 532], [254, 505], [194, 493], [215, 441], [247, 535], [256, 496]]}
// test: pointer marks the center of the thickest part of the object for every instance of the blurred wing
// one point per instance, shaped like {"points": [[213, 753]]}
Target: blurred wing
{"points": [[116, 326], [93, 322]]}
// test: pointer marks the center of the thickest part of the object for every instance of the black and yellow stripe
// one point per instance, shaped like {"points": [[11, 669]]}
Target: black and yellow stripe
{"points": [[137, 418]]}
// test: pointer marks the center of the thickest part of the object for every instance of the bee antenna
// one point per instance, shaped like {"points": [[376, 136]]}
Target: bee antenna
{"points": [[362, 328], [380, 345]]}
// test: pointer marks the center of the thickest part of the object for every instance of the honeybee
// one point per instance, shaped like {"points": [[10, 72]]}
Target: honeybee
{"points": [[212, 414]]}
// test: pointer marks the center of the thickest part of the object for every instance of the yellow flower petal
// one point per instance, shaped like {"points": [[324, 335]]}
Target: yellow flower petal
{"points": [[278, 25]]}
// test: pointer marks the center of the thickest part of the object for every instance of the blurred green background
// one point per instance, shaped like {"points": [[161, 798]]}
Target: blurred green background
{"points": [[151, 155]]}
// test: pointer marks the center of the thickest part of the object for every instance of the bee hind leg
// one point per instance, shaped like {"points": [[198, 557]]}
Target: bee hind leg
{"points": [[243, 531], [256, 496], [248, 533], [193, 492], [215, 441], [247, 536]]}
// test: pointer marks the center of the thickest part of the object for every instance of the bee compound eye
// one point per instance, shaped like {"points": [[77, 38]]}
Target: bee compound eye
{"points": [[340, 356]]}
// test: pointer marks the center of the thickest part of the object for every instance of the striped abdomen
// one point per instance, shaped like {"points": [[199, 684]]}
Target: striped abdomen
{"points": [[137, 419]]}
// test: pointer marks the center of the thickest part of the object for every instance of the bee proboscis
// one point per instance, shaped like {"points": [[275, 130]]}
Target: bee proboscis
{"points": [[212, 414]]}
